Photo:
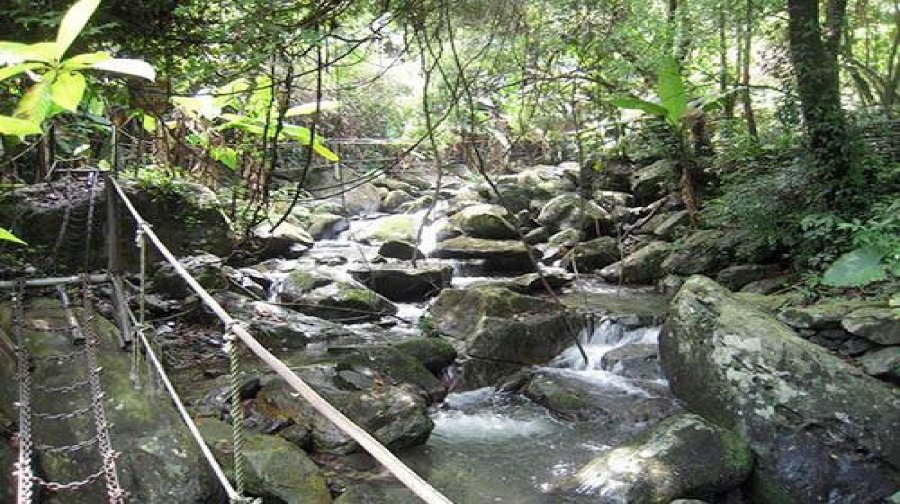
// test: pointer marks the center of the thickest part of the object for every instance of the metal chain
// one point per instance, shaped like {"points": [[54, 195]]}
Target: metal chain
{"points": [[63, 389], [114, 491], [61, 358], [237, 411], [24, 472], [92, 193], [68, 448], [64, 416]]}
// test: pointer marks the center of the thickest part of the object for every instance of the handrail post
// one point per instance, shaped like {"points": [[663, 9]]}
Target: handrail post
{"points": [[114, 258]]}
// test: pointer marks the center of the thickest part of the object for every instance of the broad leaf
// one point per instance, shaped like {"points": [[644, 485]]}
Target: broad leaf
{"points": [[325, 152], [7, 236], [856, 268], [68, 90], [134, 67], [35, 105], [149, 122], [671, 91], [12, 53], [72, 23], [638, 104], [18, 127], [226, 156], [310, 108], [9, 71], [198, 106], [82, 61]]}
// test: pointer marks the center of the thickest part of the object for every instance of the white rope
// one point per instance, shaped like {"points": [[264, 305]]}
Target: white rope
{"points": [[390, 461]]}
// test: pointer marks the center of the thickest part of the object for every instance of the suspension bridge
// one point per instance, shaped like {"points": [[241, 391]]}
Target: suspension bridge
{"points": [[55, 323]]}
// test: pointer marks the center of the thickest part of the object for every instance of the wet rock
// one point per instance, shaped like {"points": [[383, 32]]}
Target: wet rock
{"points": [[392, 367], [405, 284], [737, 276], [326, 226], [288, 240], [614, 175], [820, 429], [611, 200], [398, 249], [485, 221], [639, 361], [372, 494], [652, 182], [344, 302], [674, 225], [666, 463], [827, 315], [433, 353], [882, 363], [702, 252], [394, 199], [498, 324], [595, 254], [392, 227], [641, 267], [609, 400], [205, 268], [537, 235], [878, 325], [499, 255], [395, 415], [276, 326], [569, 211], [274, 468], [768, 286]]}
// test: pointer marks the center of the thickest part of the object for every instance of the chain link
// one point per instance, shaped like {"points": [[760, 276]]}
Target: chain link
{"points": [[237, 411], [68, 448], [23, 470], [62, 389], [64, 416]]}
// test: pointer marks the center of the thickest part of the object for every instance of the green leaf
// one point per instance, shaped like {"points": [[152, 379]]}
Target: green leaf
{"points": [[856, 268], [35, 105], [325, 152], [226, 156], [68, 90], [18, 127], [310, 108], [639, 104], [671, 90], [9, 71], [200, 105], [13, 52], [7, 236], [72, 23], [82, 61], [149, 122], [134, 67]]}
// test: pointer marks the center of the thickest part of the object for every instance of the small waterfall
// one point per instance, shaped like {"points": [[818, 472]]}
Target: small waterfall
{"points": [[276, 287], [598, 337]]}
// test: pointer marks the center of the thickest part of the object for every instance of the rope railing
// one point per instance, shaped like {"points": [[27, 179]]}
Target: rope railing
{"points": [[378, 451]]}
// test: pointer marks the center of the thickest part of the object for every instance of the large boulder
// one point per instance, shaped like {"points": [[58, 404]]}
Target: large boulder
{"points": [[684, 456], [821, 430], [289, 239], [485, 221], [655, 181], [364, 364], [616, 405], [878, 325], [402, 283], [392, 227], [498, 324], [595, 254], [703, 252], [499, 255], [396, 415], [569, 211], [205, 268], [344, 302], [739, 275], [276, 326], [158, 461], [641, 267], [274, 468]]}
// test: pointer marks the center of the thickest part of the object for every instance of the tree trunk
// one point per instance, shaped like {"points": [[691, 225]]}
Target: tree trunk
{"points": [[749, 114], [816, 66]]}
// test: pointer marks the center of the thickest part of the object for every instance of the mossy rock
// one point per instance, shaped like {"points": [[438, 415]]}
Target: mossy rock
{"points": [[434, 353], [393, 227]]}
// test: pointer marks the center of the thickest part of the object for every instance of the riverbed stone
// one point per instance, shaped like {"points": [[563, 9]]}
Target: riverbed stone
{"points": [[739, 275], [392, 227], [457, 313], [825, 315], [288, 240], [641, 267], [615, 403], [652, 182], [399, 249], [485, 221], [396, 415], [274, 467], [404, 283], [432, 352], [499, 255], [882, 363], [595, 254], [674, 225], [569, 211], [392, 366], [821, 429], [205, 268], [326, 226], [702, 252], [666, 463], [878, 325], [633, 361], [394, 199], [344, 302]]}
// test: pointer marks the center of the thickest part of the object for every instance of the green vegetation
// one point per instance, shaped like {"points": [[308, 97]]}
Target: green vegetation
{"points": [[782, 116]]}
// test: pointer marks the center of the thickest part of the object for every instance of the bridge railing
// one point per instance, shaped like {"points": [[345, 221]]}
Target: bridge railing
{"points": [[235, 328]]}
